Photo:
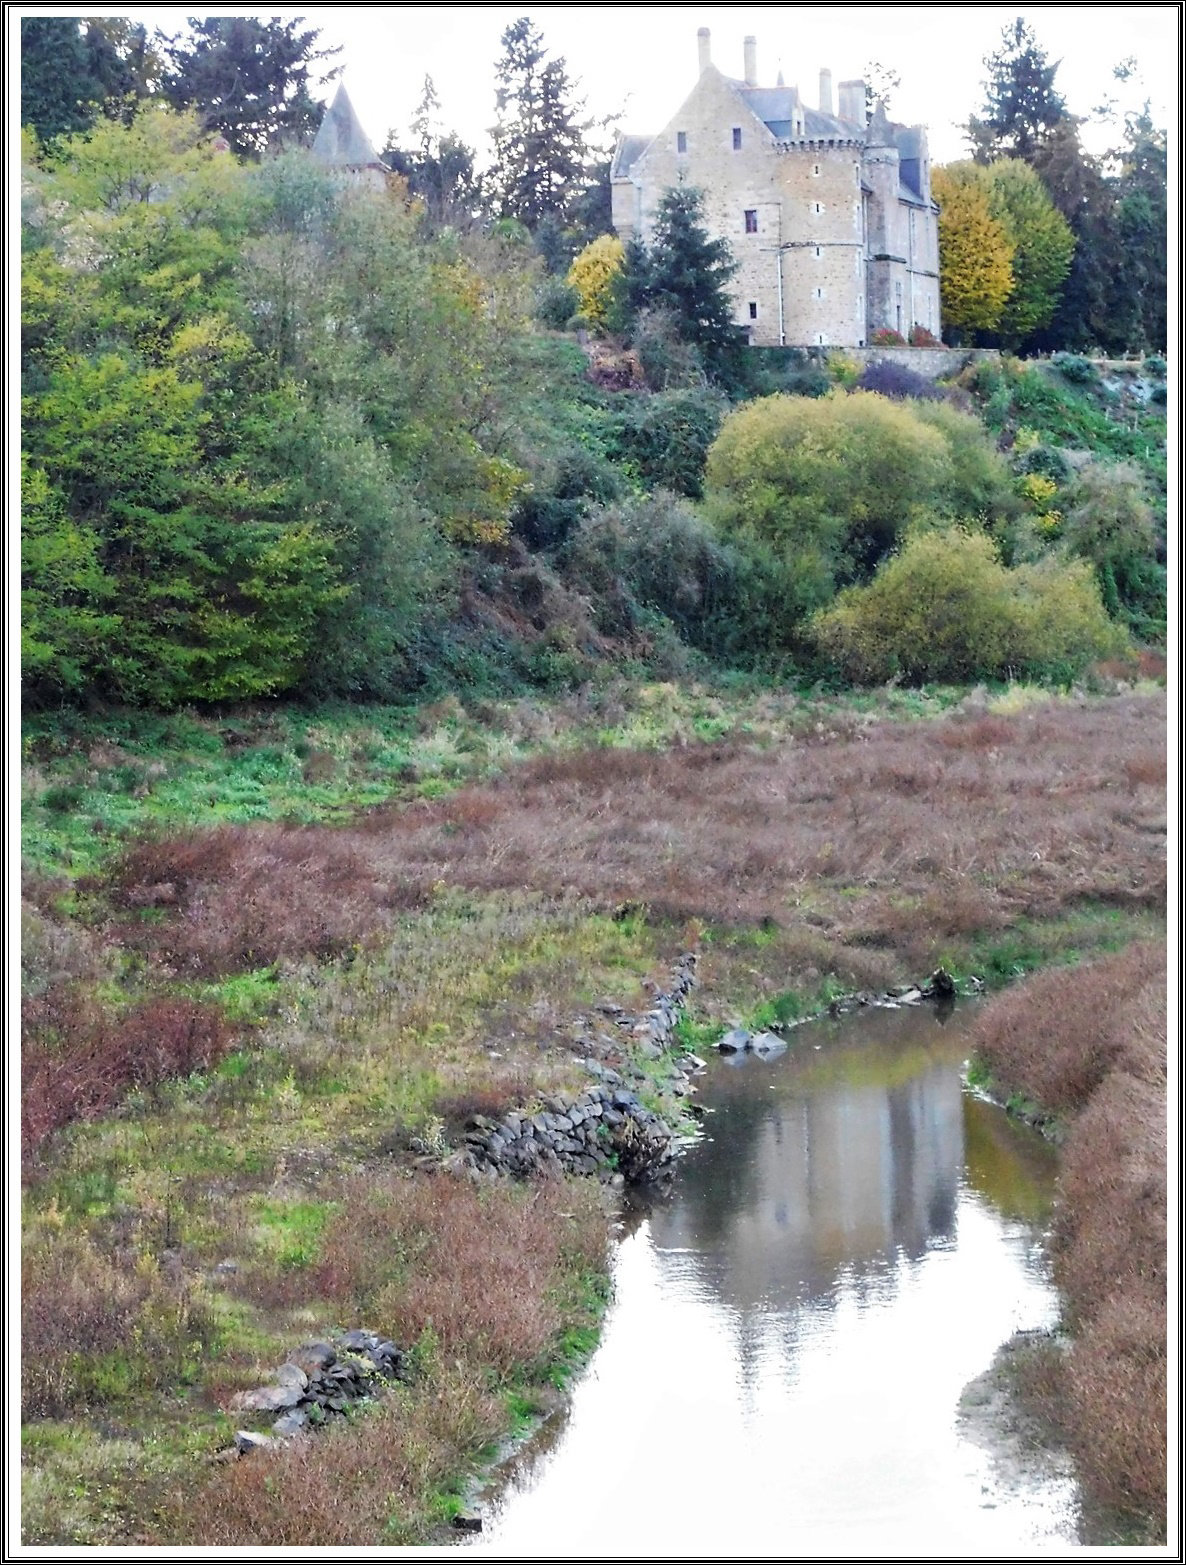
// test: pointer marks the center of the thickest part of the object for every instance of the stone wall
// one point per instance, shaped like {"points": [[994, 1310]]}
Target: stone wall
{"points": [[934, 363]]}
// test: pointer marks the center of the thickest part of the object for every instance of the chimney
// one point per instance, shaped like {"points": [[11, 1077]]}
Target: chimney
{"points": [[825, 92], [852, 102], [702, 38], [751, 62]]}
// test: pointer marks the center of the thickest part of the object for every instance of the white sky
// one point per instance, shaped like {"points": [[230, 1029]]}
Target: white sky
{"points": [[643, 58]]}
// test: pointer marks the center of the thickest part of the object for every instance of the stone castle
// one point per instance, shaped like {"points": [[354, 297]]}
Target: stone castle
{"points": [[828, 212]]}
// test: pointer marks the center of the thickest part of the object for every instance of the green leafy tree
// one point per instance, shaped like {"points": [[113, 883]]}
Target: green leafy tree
{"points": [[541, 152], [250, 80], [1042, 244], [1021, 104], [438, 166], [975, 254]]}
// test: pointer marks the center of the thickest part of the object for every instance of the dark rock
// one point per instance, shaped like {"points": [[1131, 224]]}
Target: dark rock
{"points": [[291, 1423], [468, 1521], [941, 984], [247, 1441], [266, 1399], [766, 1045], [735, 1041], [313, 1357]]}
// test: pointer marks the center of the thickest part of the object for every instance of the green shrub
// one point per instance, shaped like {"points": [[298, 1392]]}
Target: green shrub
{"points": [[1047, 461], [556, 302], [832, 484], [1078, 370], [668, 362], [548, 512], [1108, 522], [945, 608], [1155, 365], [666, 437]]}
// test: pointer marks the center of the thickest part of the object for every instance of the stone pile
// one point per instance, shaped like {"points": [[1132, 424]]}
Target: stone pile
{"points": [[319, 1380], [605, 1131]]}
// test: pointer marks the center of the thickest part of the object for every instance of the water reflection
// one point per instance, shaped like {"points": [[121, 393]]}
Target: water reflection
{"points": [[842, 1253]]}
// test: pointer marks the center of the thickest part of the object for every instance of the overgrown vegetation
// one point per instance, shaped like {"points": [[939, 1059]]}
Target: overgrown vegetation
{"points": [[1090, 1046]]}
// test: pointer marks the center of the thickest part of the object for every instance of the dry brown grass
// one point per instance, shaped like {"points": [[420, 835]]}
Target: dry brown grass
{"points": [[995, 816], [481, 1282], [78, 1058], [1091, 1042]]}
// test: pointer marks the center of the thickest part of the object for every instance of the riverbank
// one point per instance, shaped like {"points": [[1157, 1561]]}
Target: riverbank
{"points": [[331, 996], [1089, 1046]]}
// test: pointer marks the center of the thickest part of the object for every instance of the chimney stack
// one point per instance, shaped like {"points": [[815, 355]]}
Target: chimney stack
{"points": [[751, 62], [852, 102], [825, 92], [702, 40]]}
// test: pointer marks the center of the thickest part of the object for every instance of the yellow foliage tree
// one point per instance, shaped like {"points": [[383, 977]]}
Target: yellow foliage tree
{"points": [[975, 255], [592, 274]]}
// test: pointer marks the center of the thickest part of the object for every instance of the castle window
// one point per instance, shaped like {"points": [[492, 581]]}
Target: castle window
{"points": [[815, 169], [818, 209], [751, 220], [817, 252], [753, 310], [819, 293], [681, 141], [737, 138]]}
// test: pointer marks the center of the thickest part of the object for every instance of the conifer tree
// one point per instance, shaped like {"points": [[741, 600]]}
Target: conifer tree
{"points": [[1021, 105], [540, 151]]}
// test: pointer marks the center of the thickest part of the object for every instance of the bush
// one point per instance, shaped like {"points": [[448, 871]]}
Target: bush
{"points": [[898, 381], [1047, 461], [1078, 370], [547, 513], [887, 337], [833, 484], [668, 363], [556, 302], [920, 337], [946, 609], [1109, 522], [1155, 365], [592, 277], [666, 438]]}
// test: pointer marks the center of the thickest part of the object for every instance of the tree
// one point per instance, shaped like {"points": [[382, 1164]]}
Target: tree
{"points": [[72, 69], [1141, 190], [1021, 105], [687, 273], [439, 167], [975, 255], [593, 274], [1042, 243], [540, 151], [881, 82], [248, 79]]}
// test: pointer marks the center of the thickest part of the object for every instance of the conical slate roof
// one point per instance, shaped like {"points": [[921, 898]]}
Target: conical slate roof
{"points": [[341, 141]]}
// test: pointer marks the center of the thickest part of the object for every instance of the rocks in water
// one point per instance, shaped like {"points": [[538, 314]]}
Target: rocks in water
{"points": [[940, 985], [735, 1041], [766, 1045]]}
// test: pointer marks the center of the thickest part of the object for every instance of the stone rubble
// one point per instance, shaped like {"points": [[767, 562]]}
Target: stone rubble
{"points": [[606, 1131]]}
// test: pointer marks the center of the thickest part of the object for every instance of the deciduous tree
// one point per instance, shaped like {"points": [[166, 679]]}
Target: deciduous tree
{"points": [[975, 255]]}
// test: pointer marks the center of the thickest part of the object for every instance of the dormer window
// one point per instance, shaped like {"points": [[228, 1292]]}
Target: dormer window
{"points": [[751, 220], [681, 141], [737, 138]]}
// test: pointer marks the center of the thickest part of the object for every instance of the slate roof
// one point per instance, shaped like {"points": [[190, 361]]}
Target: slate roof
{"points": [[627, 153], [341, 141]]}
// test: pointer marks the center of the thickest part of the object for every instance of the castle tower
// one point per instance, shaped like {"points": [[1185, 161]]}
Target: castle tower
{"points": [[343, 146]]}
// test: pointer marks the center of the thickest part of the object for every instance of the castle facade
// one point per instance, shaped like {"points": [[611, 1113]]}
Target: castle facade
{"points": [[828, 212]]}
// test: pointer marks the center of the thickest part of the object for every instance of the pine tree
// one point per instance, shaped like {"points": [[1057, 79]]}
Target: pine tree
{"points": [[687, 273], [73, 69], [1021, 106], [249, 79], [540, 151]]}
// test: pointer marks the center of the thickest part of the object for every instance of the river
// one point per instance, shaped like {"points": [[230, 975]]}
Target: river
{"points": [[795, 1320]]}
